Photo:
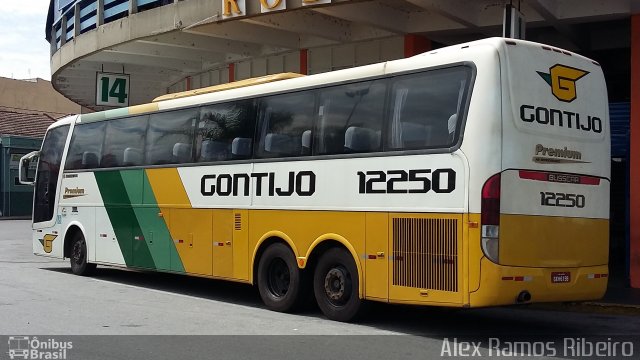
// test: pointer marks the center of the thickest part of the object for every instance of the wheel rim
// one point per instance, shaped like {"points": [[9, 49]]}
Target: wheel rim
{"points": [[76, 253], [278, 277], [337, 286]]}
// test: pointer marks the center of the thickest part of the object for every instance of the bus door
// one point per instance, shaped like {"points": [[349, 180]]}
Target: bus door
{"points": [[45, 219]]}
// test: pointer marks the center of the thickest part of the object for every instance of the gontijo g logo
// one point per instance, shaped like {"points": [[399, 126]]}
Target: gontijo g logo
{"points": [[562, 80]]}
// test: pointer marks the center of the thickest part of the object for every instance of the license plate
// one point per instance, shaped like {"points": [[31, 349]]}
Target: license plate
{"points": [[560, 277]]}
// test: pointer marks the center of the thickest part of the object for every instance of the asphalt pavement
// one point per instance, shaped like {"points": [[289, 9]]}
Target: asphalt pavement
{"points": [[175, 316]]}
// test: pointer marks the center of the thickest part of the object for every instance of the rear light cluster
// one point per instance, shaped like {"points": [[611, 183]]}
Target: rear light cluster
{"points": [[490, 218]]}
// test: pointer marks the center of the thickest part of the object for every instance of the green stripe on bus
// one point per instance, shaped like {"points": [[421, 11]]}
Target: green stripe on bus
{"points": [[123, 219], [155, 230], [116, 113], [92, 117]]}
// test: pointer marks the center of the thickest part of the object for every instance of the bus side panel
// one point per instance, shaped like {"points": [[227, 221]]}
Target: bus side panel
{"points": [[107, 247], [377, 254], [79, 197], [304, 202]]}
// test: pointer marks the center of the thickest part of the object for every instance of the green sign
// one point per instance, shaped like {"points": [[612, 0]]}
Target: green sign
{"points": [[112, 89]]}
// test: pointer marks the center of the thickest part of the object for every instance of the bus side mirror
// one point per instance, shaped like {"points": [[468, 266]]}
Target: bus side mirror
{"points": [[26, 162]]}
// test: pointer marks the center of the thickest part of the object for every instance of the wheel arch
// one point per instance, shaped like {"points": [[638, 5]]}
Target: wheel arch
{"points": [[71, 230], [263, 243], [330, 240]]}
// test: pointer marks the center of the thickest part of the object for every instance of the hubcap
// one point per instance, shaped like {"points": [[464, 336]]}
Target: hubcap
{"points": [[279, 277], [336, 285]]}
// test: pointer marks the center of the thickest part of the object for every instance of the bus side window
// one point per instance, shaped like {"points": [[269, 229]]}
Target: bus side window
{"points": [[283, 121], [169, 137], [426, 108], [123, 142], [350, 118], [221, 125], [85, 148]]}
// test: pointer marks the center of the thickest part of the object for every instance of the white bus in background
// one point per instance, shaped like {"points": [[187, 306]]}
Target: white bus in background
{"points": [[473, 175]]}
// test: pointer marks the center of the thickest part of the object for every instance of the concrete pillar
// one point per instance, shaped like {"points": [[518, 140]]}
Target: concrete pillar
{"points": [[634, 156], [304, 61], [133, 6], [76, 20], [100, 13], [415, 44], [232, 72], [63, 30]]}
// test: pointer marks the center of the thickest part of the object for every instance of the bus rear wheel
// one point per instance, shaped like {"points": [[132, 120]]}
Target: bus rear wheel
{"points": [[279, 279], [78, 256], [336, 284]]}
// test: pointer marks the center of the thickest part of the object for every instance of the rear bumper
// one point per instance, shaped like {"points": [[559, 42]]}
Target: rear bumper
{"points": [[501, 285]]}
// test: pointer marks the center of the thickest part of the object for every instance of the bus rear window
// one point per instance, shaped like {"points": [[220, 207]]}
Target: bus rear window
{"points": [[427, 109]]}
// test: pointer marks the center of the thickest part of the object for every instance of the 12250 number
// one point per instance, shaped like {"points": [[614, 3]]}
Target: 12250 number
{"points": [[561, 199], [395, 181]]}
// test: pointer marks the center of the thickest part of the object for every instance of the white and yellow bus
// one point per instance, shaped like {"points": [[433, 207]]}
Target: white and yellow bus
{"points": [[473, 175]]}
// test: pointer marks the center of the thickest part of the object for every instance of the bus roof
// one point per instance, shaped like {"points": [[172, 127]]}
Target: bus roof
{"points": [[232, 85]]}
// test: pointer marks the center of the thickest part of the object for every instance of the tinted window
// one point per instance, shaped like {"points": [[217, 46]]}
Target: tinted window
{"points": [[170, 137], [48, 171], [350, 118], [225, 131], [85, 149], [427, 108], [124, 142], [286, 123]]}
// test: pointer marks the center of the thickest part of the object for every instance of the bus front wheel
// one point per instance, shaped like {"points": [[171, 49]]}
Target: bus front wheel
{"points": [[78, 256], [336, 284], [279, 278]]}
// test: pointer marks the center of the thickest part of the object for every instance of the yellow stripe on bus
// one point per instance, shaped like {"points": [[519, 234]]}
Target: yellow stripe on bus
{"points": [[168, 188], [185, 225], [144, 108]]}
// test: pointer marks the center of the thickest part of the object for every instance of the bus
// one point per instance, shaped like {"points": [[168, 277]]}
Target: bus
{"points": [[469, 176]]}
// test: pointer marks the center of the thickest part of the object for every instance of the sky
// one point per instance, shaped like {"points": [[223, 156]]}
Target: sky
{"points": [[24, 52]]}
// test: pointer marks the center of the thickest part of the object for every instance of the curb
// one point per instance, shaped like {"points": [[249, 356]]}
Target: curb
{"points": [[590, 307]]}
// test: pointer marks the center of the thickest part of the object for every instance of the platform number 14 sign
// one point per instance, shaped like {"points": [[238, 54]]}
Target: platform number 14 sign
{"points": [[112, 89]]}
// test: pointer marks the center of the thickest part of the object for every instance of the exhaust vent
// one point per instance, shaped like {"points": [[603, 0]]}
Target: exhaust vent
{"points": [[425, 253], [237, 221]]}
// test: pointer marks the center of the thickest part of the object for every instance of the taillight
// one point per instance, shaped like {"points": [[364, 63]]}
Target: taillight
{"points": [[490, 218]]}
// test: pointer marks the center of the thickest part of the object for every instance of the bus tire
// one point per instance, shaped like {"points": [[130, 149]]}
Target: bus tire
{"points": [[279, 279], [336, 284], [78, 256]]}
